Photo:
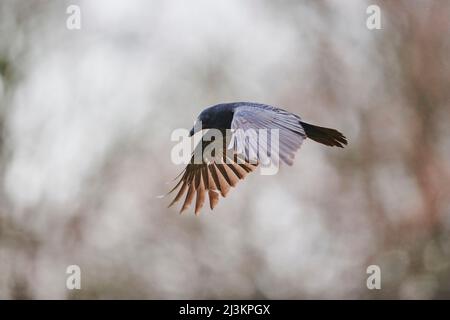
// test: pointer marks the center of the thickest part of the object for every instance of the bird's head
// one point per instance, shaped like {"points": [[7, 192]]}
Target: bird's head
{"points": [[215, 117]]}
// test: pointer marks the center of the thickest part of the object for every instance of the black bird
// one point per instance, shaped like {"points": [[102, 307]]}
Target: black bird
{"points": [[216, 177]]}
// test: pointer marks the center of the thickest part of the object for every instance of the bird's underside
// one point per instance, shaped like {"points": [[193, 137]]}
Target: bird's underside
{"points": [[213, 178]]}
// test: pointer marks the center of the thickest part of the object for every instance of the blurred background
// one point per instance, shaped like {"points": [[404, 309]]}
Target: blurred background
{"points": [[85, 123]]}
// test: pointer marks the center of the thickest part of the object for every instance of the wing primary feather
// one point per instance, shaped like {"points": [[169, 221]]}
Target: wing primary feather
{"points": [[178, 184], [179, 194], [205, 177], [200, 194], [238, 171], [197, 178], [189, 197], [211, 182], [185, 179], [214, 176], [213, 198], [233, 178], [247, 167], [221, 181], [224, 172]]}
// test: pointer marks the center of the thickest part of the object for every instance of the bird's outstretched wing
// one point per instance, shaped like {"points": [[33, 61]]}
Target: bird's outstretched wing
{"points": [[250, 118], [211, 177]]}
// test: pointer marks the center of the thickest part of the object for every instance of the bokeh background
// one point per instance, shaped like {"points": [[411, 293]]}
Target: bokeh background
{"points": [[85, 123]]}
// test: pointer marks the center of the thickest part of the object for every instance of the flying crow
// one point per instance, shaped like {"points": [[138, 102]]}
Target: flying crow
{"points": [[213, 178]]}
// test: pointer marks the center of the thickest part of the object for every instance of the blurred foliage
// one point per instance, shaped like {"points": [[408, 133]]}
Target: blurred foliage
{"points": [[85, 122]]}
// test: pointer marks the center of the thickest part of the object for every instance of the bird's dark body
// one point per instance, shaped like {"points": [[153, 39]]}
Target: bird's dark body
{"points": [[220, 116], [212, 178]]}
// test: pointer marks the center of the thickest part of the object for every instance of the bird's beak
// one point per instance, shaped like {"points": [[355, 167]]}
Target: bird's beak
{"points": [[192, 132]]}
